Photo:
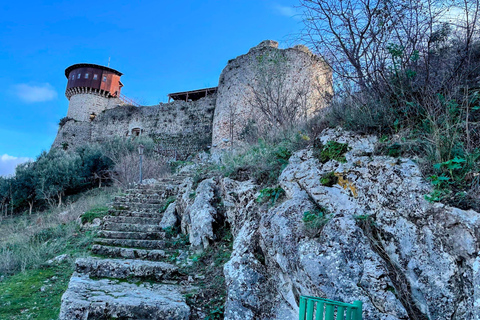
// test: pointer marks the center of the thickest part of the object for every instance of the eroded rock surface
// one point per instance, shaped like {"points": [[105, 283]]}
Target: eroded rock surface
{"points": [[382, 243]]}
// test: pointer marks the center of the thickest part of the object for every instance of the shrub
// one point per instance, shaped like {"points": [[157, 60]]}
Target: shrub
{"points": [[329, 179], [314, 220], [331, 151], [264, 160], [270, 195]]}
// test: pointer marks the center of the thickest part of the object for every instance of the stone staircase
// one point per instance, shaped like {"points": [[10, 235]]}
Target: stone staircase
{"points": [[128, 278]]}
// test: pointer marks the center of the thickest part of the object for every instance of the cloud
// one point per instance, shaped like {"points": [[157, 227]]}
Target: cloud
{"points": [[35, 93], [286, 11], [9, 163]]}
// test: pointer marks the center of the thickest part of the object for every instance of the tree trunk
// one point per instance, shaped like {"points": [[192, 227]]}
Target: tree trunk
{"points": [[30, 204]]}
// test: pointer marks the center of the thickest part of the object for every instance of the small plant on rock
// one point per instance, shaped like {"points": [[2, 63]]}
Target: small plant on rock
{"points": [[169, 201], [271, 195], [329, 179], [314, 220], [331, 151]]}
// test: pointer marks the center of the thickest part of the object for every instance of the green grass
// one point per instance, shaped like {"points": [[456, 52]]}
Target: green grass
{"points": [[27, 243], [21, 295], [94, 213]]}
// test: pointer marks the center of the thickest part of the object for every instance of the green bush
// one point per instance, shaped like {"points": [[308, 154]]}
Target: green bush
{"points": [[329, 179], [331, 151], [263, 161], [314, 220], [270, 195]]}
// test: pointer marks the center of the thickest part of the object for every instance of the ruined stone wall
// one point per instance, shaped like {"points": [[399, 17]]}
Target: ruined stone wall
{"points": [[302, 73], [179, 125], [73, 133], [83, 104]]}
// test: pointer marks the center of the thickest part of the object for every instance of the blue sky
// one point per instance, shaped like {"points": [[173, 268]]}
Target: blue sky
{"points": [[159, 46]]}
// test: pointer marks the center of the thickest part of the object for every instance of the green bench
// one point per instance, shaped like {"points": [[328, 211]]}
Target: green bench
{"points": [[312, 308]]}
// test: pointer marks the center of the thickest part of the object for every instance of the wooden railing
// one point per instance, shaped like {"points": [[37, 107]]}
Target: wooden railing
{"points": [[312, 308], [127, 100]]}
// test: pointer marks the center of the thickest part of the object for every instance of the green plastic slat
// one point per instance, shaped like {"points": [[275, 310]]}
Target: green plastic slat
{"points": [[319, 313], [310, 305], [302, 308], [329, 309], [340, 312], [358, 310], [324, 309], [349, 314]]}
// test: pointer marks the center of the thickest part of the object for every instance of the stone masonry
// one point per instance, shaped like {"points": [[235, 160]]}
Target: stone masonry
{"points": [[302, 73], [215, 120], [82, 105]]}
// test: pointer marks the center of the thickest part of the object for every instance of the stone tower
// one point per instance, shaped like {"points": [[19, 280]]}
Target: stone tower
{"points": [[91, 89], [299, 75]]}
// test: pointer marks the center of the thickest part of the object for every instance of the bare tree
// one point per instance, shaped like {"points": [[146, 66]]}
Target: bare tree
{"points": [[283, 100]]}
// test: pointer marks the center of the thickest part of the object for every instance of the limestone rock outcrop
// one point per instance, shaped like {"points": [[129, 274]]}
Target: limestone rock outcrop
{"points": [[381, 242]]}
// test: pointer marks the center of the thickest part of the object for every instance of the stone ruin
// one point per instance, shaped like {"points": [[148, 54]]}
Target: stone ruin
{"points": [[219, 118]]}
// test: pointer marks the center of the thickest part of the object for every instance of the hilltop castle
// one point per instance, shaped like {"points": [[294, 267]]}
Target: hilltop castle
{"points": [[196, 119]]}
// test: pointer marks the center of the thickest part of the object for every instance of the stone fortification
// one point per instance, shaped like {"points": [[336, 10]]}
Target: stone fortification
{"points": [[296, 72], [82, 105], [220, 120], [178, 125]]}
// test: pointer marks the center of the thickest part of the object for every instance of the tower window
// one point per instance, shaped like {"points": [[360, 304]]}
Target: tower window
{"points": [[104, 78], [86, 75], [72, 77], [79, 75], [95, 76]]}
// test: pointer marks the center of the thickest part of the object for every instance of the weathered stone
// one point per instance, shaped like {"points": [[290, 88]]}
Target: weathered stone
{"points": [[202, 215], [382, 242], [170, 219], [99, 299], [125, 269], [303, 72], [239, 202]]}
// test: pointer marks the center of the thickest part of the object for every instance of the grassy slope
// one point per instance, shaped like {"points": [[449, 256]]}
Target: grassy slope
{"points": [[30, 288]]}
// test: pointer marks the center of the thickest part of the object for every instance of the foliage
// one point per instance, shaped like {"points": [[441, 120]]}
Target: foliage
{"points": [[409, 72], [270, 195], [94, 213], [331, 151], [265, 160], [329, 179], [63, 121], [169, 201], [314, 220]]}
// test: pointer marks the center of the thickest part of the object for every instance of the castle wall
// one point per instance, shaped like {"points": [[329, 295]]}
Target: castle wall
{"points": [[83, 104], [73, 133], [296, 71], [179, 125]]}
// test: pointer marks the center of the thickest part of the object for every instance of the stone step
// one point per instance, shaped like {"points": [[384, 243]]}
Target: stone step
{"points": [[127, 269], [128, 253], [113, 226], [134, 220], [136, 205], [130, 213], [131, 235], [87, 298], [127, 200], [132, 243]]}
